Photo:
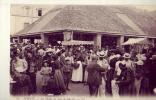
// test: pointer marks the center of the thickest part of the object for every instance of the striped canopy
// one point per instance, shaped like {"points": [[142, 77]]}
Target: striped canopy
{"points": [[76, 42], [132, 41]]}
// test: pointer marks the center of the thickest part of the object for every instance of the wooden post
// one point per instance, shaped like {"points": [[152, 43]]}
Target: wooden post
{"points": [[97, 40], [44, 39]]}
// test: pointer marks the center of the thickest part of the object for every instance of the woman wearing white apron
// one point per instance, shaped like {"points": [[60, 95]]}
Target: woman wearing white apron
{"points": [[77, 73]]}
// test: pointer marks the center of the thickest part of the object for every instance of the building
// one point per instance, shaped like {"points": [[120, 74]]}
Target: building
{"points": [[105, 25], [23, 15]]}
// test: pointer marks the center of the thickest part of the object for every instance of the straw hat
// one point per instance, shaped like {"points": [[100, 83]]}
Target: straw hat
{"points": [[102, 54], [45, 61], [49, 50], [81, 46], [127, 55], [67, 59]]}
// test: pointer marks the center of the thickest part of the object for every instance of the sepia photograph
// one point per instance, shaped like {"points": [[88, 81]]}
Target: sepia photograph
{"points": [[82, 50]]}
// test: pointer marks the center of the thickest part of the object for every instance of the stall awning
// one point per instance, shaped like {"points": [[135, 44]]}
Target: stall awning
{"points": [[76, 42], [133, 41]]}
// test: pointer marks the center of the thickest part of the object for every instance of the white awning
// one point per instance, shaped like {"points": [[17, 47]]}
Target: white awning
{"points": [[132, 41], [76, 42]]}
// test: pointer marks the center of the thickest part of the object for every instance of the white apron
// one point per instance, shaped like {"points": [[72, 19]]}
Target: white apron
{"points": [[77, 74]]}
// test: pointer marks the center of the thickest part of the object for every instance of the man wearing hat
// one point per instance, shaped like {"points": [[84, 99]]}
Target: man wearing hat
{"points": [[94, 78]]}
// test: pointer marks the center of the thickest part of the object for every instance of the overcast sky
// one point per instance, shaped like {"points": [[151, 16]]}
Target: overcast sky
{"points": [[50, 6], [85, 1], [149, 8]]}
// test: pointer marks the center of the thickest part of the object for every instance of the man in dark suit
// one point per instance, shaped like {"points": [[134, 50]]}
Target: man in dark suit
{"points": [[94, 76]]}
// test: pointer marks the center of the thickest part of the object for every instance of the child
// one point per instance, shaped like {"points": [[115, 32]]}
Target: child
{"points": [[67, 71], [45, 72]]}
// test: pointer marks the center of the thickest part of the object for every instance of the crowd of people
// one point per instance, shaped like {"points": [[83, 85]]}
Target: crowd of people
{"points": [[40, 69]]}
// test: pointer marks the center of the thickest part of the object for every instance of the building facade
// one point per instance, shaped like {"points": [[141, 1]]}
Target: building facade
{"points": [[105, 25], [23, 15]]}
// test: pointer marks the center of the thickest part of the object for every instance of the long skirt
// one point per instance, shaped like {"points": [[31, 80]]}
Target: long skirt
{"points": [[102, 88], [23, 84], [115, 88], [45, 79], [33, 82], [39, 82], [59, 82], [77, 74], [126, 90], [23, 90], [86, 76]]}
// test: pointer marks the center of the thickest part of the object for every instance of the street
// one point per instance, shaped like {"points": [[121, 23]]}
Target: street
{"points": [[78, 89]]}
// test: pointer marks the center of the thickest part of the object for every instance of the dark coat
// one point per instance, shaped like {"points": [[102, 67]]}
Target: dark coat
{"points": [[126, 82], [23, 84], [152, 75], [144, 87], [113, 62], [94, 77]]}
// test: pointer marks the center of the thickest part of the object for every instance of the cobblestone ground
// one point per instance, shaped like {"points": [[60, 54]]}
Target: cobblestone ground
{"points": [[78, 89]]}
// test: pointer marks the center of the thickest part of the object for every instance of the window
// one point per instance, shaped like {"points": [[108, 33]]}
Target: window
{"points": [[40, 12]]}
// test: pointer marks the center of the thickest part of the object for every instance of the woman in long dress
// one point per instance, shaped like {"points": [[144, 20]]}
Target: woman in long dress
{"points": [[103, 64], [87, 60], [77, 73], [58, 77], [23, 83]]}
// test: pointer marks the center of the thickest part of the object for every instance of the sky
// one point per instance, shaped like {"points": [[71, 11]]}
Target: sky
{"points": [[86, 1], [148, 8]]}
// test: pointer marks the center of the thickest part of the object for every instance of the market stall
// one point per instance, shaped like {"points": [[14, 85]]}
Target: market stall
{"points": [[76, 42], [137, 43]]}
